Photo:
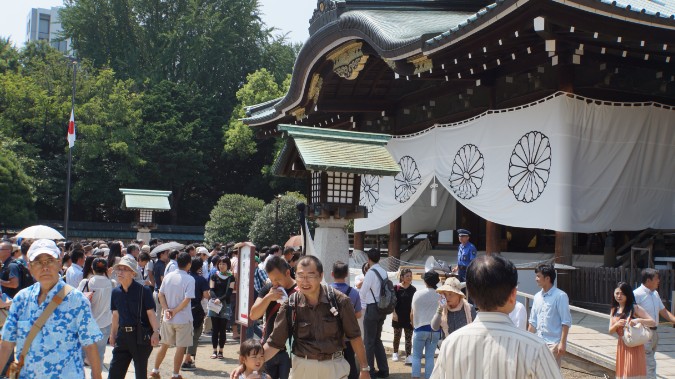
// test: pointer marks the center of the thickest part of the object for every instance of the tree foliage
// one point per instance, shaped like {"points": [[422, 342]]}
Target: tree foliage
{"points": [[231, 218], [17, 207], [259, 88], [272, 226], [156, 85]]}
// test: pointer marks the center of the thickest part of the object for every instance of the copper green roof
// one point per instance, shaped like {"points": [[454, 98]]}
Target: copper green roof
{"points": [[334, 150], [145, 199]]}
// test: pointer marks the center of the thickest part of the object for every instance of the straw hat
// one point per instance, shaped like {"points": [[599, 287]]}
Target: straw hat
{"points": [[451, 285]]}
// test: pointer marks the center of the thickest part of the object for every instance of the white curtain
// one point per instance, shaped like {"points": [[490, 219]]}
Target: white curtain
{"points": [[564, 163]]}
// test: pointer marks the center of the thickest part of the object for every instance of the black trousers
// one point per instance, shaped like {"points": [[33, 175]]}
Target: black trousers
{"points": [[126, 349], [218, 337], [354, 370]]}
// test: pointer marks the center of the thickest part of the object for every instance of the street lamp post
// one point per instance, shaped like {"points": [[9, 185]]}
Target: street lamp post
{"points": [[276, 220]]}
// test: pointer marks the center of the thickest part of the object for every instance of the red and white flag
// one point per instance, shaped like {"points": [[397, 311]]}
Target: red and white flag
{"points": [[71, 129]]}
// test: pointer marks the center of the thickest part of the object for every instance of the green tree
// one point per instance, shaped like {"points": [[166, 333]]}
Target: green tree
{"points": [[9, 56], [106, 154], [260, 87], [231, 218], [277, 221], [17, 207]]}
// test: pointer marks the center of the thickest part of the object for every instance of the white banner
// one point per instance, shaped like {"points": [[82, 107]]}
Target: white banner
{"points": [[564, 163]]}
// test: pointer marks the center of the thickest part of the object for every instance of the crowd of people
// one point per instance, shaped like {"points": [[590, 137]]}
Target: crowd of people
{"points": [[68, 301]]}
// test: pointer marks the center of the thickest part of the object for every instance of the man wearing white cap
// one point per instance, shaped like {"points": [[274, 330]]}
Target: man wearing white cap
{"points": [[56, 351]]}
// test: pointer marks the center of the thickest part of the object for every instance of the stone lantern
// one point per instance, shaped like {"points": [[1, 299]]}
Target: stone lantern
{"points": [[332, 161], [145, 202]]}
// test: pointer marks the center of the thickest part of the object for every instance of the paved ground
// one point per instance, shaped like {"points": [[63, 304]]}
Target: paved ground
{"points": [[213, 368]]}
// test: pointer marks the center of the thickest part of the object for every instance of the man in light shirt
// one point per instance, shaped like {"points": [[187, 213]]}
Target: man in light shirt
{"points": [[74, 272], [175, 295], [373, 320], [550, 318], [491, 346], [647, 297]]}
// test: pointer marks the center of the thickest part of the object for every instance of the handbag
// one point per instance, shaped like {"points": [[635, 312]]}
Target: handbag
{"points": [[143, 333], [635, 335], [228, 312], [16, 366]]}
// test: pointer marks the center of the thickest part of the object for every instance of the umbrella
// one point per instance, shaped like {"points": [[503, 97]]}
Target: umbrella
{"points": [[40, 231], [295, 241], [166, 246]]}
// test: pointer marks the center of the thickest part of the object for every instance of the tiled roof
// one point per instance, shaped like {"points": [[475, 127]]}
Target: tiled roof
{"points": [[145, 199], [657, 8], [338, 150]]}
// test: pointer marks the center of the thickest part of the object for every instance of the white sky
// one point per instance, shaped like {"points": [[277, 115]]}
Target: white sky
{"points": [[290, 16]]}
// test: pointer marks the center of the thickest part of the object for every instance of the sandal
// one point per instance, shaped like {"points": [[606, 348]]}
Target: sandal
{"points": [[220, 355], [214, 355]]}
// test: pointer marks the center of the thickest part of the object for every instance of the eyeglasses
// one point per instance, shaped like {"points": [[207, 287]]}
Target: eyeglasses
{"points": [[119, 269], [45, 263], [307, 277]]}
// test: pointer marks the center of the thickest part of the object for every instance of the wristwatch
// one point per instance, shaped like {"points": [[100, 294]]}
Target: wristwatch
{"points": [[366, 368]]}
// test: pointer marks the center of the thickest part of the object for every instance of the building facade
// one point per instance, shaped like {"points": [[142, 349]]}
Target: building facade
{"points": [[45, 25]]}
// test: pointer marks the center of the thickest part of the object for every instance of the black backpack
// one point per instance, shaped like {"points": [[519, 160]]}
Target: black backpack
{"points": [[25, 278], [387, 302]]}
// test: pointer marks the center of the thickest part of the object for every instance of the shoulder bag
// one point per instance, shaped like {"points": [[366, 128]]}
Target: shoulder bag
{"points": [[16, 366], [635, 335], [143, 333]]}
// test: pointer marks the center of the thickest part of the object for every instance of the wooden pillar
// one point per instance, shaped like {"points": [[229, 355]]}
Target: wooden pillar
{"points": [[563, 247], [395, 238], [493, 237], [359, 240]]}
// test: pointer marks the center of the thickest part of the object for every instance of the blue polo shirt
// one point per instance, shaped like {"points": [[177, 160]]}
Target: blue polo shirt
{"points": [[353, 294], [127, 304]]}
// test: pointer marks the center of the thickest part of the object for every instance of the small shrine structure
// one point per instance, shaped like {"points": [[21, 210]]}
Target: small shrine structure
{"points": [[145, 202]]}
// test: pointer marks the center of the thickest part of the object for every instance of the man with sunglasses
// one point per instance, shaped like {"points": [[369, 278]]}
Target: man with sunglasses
{"points": [[56, 351]]}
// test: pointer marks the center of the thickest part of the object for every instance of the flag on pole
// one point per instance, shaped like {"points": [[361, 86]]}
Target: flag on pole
{"points": [[308, 243], [71, 129]]}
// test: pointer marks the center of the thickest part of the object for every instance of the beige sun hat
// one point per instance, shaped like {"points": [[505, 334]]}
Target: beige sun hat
{"points": [[128, 262], [452, 285]]}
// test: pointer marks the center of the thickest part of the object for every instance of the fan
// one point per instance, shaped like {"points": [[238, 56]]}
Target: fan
{"points": [[432, 264]]}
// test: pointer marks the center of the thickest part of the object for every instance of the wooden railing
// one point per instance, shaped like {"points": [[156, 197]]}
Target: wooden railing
{"points": [[594, 287], [528, 304]]}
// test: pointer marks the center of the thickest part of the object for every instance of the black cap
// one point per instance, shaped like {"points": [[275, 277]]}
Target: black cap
{"points": [[463, 232]]}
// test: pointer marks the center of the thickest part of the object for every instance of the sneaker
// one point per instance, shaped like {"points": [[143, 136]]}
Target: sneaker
{"points": [[154, 375], [408, 360], [188, 366], [394, 357]]}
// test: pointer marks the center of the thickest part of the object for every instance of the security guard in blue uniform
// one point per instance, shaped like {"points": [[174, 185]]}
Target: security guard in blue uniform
{"points": [[466, 253]]}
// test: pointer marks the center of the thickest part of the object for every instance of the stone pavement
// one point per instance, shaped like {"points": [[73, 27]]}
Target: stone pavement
{"points": [[588, 340]]}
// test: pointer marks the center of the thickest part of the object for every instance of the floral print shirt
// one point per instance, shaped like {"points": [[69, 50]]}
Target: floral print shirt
{"points": [[56, 351]]}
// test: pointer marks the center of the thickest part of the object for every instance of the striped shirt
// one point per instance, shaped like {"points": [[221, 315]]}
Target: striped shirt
{"points": [[492, 347]]}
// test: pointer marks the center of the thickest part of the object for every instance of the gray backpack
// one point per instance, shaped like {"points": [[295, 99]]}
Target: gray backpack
{"points": [[387, 302]]}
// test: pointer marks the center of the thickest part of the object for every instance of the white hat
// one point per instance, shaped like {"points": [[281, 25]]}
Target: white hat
{"points": [[452, 284], [202, 250], [128, 262], [43, 246]]}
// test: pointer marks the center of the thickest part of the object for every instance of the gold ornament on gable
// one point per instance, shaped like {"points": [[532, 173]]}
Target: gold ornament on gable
{"points": [[348, 60]]}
